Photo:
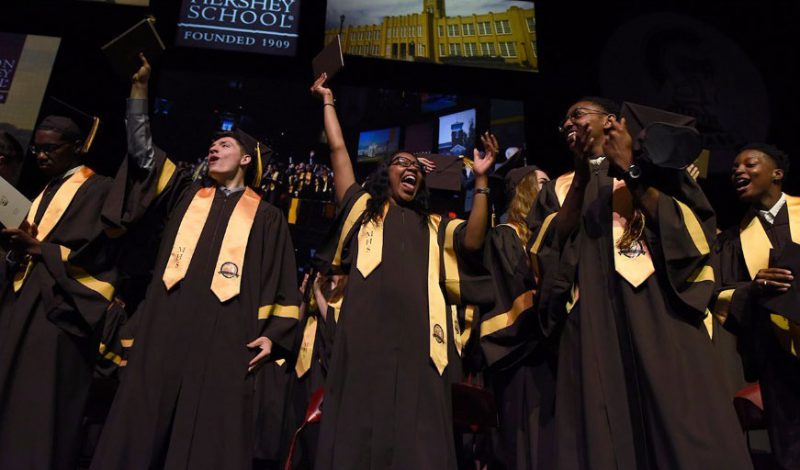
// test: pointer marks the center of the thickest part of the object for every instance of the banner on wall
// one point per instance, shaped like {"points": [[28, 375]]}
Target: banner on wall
{"points": [[10, 51], [25, 65], [138, 3], [260, 26]]}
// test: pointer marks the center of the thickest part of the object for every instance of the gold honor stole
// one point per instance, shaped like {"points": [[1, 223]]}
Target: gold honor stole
{"points": [[755, 248], [226, 282], [303, 363], [370, 252], [58, 205], [633, 263]]}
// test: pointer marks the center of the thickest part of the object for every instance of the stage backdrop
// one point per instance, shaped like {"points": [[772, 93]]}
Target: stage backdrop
{"points": [[479, 33]]}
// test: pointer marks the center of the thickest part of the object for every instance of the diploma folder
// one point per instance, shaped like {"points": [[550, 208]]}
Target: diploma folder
{"points": [[14, 206], [330, 60], [123, 51]]}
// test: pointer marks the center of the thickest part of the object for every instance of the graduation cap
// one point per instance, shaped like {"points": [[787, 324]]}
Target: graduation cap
{"points": [[505, 178], [330, 60], [447, 175], [668, 140], [71, 122], [123, 51], [255, 149], [786, 304]]}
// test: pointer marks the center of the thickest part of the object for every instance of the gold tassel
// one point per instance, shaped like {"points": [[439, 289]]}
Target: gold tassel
{"points": [[87, 144], [259, 167]]}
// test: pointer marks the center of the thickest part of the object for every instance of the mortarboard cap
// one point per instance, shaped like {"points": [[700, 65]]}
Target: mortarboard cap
{"points": [[70, 121], [123, 51], [786, 304], [255, 149], [500, 196], [447, 175], [330, 60], [668, 140]]}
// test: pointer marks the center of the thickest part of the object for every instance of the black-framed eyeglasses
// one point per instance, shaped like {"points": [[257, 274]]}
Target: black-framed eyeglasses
{"points": [[46, 149], [406, 163], [576, 114]]}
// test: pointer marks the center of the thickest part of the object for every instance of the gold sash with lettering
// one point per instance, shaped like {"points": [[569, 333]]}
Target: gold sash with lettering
{"points": [[58, 205], [370, 253], [303, 363], [226, 282]]}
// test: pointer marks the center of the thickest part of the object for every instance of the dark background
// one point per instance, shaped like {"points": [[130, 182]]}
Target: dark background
{"points": [[271, 91]]}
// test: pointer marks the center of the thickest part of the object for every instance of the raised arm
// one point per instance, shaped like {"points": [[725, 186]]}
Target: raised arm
{"points": [[343, 176], [137, 122], [618, 147], [570, 213], [479, 217]]}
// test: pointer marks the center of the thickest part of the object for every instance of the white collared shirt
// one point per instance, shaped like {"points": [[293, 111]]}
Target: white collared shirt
{"points": [[770, 215]]}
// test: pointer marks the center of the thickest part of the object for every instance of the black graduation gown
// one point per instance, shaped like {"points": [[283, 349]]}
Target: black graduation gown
{"points": [[765, 359], [301, 389], [50, 332], [386, 406], [186, 399], [521, 358], [639, 385]]}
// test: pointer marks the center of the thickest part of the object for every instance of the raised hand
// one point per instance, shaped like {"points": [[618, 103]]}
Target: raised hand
{"points": [[693, 171], [140, 78], [618, 147], [142, 75], [483, 164], [427, 164], [319, 89]]}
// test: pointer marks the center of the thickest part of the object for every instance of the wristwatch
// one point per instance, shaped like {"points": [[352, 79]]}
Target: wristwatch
{"points": [[633, 174], [482, 190]]}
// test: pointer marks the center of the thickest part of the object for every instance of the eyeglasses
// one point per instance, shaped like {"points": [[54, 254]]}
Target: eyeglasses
{"points": [[406, 163], [576, 114], [46, 149]]}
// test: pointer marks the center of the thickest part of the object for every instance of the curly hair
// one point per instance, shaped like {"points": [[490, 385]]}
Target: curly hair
{"points": [[525, 194], [377, 185]]}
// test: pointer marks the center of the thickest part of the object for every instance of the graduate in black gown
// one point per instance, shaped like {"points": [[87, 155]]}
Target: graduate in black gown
{"points": [[638, 383], [768, 342], [319, 312], [521, 359], [223, 299], [388, 390], [52, 306]]}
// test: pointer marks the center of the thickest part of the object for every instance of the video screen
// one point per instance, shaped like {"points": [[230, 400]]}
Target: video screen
{"points": [[497, 34], [437, 102], [263, 27], [507, 122], [457, 133], [419, 138], [375, 145]]}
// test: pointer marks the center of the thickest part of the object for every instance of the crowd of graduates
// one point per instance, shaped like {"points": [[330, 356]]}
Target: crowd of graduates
{"points": [[607, 323]]}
